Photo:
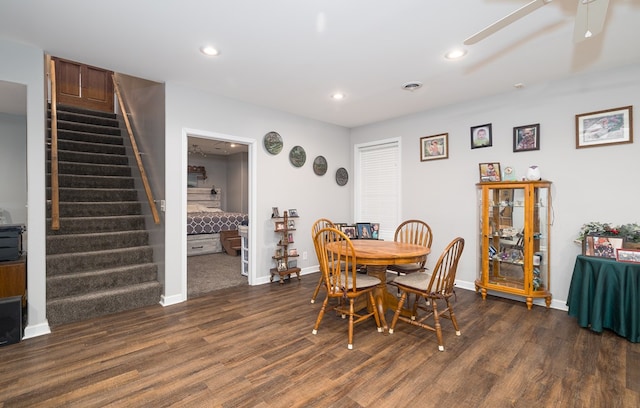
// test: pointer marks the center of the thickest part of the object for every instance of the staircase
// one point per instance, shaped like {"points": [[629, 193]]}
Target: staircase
{"points": [[99, 262]]}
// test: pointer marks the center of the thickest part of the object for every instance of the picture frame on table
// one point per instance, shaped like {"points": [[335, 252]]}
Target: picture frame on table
{"points": [[526, 138], [628, 255], [481, 136], [293, 212], [605, 127], [282, 266], [434, 147], [602, 247], [375, 230], [349, 231], [364, 230], [489, 171]]}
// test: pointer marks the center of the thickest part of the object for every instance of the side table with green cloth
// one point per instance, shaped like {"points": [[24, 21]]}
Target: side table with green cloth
{"points": [[605, 294]]}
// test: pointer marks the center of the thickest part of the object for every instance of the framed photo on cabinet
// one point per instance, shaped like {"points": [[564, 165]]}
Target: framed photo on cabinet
{"points": [[489, 171], [606, 127], [434, 147]]}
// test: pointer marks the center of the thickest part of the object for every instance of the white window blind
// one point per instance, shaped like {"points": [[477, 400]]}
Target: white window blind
{"points": [[377, 188]]}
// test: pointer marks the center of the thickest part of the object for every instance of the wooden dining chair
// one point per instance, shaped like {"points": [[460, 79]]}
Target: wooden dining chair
{"points": [[412, 232], [317, 226], [344, 283], [436, 287]]}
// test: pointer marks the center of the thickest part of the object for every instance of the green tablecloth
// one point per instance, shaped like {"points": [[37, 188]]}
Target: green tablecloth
{"points": [[605, 294]]}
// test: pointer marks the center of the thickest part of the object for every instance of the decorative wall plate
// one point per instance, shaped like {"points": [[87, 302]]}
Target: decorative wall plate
{"points": [[273, 142], [297, 156], [320, 165], [342, 176]]}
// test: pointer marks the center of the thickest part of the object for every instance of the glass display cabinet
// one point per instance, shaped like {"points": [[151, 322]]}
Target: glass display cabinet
{"points": [[513, 246]]}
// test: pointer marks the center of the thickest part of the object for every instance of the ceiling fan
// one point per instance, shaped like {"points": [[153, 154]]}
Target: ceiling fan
{"points": [[589, 19]]}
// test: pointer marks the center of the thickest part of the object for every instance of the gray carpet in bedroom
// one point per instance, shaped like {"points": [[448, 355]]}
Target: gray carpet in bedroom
{"points": [[206, 273]]}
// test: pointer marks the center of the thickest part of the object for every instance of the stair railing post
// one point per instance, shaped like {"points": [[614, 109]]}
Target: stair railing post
{"points": [[55, 191], [134, 145]]}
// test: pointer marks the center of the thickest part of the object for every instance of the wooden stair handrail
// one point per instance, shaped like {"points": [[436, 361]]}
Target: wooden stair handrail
{"points": [[55, 189], [134, 145]]}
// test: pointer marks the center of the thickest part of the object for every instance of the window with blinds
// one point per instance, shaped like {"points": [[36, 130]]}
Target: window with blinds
{"points": [[377, 185]]}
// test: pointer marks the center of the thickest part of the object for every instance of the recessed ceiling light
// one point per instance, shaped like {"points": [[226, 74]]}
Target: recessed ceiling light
{"points": [[519, 85], [455, 53], [412, 86], [338, 96], [210, 51]]}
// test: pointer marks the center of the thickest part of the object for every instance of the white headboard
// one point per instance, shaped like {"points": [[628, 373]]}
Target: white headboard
{"points": [[203, 196]]}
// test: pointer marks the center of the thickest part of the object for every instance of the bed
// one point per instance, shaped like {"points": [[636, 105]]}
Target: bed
{"points": [[206, 221]]}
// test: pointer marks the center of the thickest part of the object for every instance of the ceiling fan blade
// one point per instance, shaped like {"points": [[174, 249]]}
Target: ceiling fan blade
{"points": [[590, 17], [505, 21]]}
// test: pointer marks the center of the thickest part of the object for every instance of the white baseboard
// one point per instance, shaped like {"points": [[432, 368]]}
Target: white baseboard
{"points": [[35, 330]]}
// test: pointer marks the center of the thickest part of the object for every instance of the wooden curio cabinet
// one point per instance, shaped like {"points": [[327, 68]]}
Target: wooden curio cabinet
{"points": [[513, 246]]}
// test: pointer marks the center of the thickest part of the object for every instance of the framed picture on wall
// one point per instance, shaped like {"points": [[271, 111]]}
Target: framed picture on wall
{"points": [[481, 136], [526, 138], [434, 147], [606, 127]]}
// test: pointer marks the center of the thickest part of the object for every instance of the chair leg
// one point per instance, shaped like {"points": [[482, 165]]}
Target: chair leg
{"points": [[350, 344], [403, 297], [452, 316], [372, 300], [320, 315], [317, 289], [437, 325]]}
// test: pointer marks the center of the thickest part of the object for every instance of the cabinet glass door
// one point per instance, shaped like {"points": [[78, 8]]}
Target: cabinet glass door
{"points": [[506, 237]]}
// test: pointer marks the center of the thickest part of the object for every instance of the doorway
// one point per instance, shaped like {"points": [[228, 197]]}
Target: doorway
{"points": [[220, 163]]}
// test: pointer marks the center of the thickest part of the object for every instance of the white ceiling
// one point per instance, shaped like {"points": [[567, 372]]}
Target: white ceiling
{"points": [[291, 55]]}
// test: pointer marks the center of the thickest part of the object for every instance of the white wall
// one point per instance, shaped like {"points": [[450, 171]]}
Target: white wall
{"points": [[13, 168], [276, 182], [25, 65], [592, 184]]}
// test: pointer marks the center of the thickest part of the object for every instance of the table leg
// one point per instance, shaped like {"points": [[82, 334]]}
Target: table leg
{"points": [[384, 299]]}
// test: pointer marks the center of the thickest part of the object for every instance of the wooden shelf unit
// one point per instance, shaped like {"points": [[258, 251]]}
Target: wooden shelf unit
{"points": [[284, 227]]}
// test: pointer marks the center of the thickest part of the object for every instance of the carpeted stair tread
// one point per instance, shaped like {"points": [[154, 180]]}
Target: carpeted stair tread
{"points": [[86, 225], [69, 116], [75, 308], [90, 147], [71, 243], [88, 137], [94, 194], [91, 158], [83, 181], [84, 111], [61, 264], [81, 283], [97, 209], [91, 169], [84, 127]]}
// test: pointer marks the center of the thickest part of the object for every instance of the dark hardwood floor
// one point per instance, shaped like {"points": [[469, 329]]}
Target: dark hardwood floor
{"points": [[253, 347]]}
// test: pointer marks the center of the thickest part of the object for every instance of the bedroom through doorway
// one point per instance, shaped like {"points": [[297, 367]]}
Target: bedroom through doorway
{"points": [[217, 203]]}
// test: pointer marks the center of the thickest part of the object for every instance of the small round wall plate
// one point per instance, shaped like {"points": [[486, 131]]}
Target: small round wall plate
{"points": [[342, 176], [320, 165], [273, 142], [297, 156]]}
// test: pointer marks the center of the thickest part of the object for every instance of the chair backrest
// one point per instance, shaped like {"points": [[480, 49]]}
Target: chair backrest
{"points": [[414, 232], [444, 273], [337, 277], [319, 224]]}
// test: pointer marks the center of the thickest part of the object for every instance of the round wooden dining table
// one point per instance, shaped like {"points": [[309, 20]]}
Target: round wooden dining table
{"points": [[377, 255]]}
